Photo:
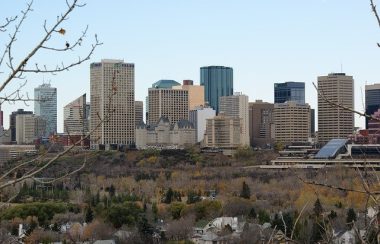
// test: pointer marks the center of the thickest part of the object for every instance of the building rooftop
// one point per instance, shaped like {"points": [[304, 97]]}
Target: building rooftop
{"points": [[165, 84], [332, 149]]}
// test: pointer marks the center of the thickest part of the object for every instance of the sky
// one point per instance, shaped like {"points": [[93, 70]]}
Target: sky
{"points": [[263, 41]]}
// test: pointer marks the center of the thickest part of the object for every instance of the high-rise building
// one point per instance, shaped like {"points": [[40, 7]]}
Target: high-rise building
{"points": [[374, 126], [12, 122], [199, 117], [372, 100], [113, 101], [236, 106], [335, 122], [165, 101], [1, 117], [291, 122], [139, 112], [75, 120], [196, 93], [218, 82], [29, 127], [289, 91], [45, 106], [260, 122], [223, 132], [312, 122]]}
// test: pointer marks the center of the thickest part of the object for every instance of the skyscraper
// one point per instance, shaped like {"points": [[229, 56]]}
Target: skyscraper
{"points": [[165, 101], [45, 106], [139, 112], [196, 93], [236, 106], [372, 100], [335, 122], [260, 121], [199, 117], [217, 81], [289, 91], [29, 127], [12, 122], [75, 120], [112, 100]]}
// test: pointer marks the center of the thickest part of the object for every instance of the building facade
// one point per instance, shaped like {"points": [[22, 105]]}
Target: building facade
{"points": [[260, 122], [196, 93], [223, 132], [167, 102], [218, 82], [12, 123], [291, 122], [139, 112], [372, 101], [45, 106], [199, 117], [113, 101], [29, 127], [289, 91], [335, 122], [75, 120], [165, 135], [236, 106]]}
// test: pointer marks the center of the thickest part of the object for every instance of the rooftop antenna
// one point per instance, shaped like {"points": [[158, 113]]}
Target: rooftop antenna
{"points": [[341, 67]]}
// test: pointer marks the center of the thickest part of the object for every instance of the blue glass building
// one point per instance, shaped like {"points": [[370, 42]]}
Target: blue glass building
{"points": [[217, 81], [372, 100], [289, 91]]}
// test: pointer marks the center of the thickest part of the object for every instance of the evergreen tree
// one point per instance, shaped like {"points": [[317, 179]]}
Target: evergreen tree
{"points": [[155, 210], [169, 196], [245, 191], [318, 209], [351, 216], [252, 213], [112, 191], [89, 215]]}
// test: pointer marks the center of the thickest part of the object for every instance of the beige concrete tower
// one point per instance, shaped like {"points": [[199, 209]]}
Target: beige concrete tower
{"points": [[75, 121], [113, 96], [236, 106], [196, 94], [335, 122], [260, 121], [139, 112]]}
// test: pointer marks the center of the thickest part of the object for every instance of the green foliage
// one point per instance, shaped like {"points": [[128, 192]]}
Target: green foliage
{"points": [[263, 216], [278, 146], [207, 209], [43, 211], [244, 153], [56, 192], [172, 196], [318, 209], [123, 214], [155, 210], [176, 209], [252, 214], [193, 197], [279, 222], [89, 215], [245, 191]]}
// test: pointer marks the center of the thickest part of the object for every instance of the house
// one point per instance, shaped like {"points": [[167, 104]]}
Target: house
{"points": [[347, 236]]}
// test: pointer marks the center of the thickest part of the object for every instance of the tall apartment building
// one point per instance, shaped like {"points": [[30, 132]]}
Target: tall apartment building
{"points": [[223, 132], [45, 105], [218, 82], [260, 122], [372, 100], [12, 123], [199, 117], [168, 102], [139, 112], [236, 106], [289, 91], [196, 93], [75, 120], [291, 122], [29, 127], [335, 122], [113, 100]]}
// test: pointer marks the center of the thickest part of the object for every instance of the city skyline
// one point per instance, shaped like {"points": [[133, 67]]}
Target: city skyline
{"points": [[252, 47]]}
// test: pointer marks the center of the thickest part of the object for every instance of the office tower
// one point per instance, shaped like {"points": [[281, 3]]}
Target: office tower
{"points": [[199, 117], [260, 122], [236, 106], [223, 132], [113, 101], [335, 122], [1, 118], [165, 101], [374, 127], [289, 91], [75, 120], [291, 122], [218, 82], [312, 122], [12, 122], [372, 100], [29, 127], [196, 93], [139, 112], [45, 106]]}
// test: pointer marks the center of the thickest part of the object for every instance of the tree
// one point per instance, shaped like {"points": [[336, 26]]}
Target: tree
{"points": [[351, 216], [318, 209], [89, 215], [169, 196], [15, 69], [245, 191]]}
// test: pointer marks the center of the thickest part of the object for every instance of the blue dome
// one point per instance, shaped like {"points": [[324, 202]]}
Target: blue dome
{"points": [[165, 84]]}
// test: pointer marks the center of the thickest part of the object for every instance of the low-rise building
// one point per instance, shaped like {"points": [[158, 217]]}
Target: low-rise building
{"points": [[29, 127], [199, 117]]}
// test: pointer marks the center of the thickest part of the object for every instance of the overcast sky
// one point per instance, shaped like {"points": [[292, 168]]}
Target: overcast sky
{"points": [[263, 41]]}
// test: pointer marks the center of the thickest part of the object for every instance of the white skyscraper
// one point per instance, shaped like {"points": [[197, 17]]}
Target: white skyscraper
{"points": [[45, 106], [113, 97], [199, 117], [236, 106]]}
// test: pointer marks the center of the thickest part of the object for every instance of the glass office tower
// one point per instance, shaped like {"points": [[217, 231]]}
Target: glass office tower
{"points": [[372, 100], [217, 81], [289, 91], [45, 105]]}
